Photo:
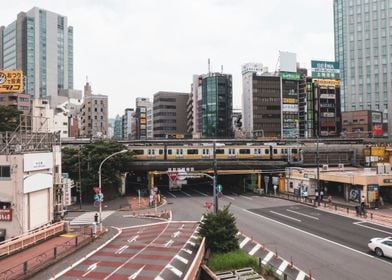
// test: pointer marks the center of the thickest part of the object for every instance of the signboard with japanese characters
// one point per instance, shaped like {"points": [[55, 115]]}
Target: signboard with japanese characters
{"points": [[5, 215], [11, 81], [325, 70]]}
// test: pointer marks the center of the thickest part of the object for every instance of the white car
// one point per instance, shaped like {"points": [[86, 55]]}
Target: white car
{"points": [[381, 246]]}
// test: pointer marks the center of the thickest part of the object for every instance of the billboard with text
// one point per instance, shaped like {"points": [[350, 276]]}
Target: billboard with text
{"points": [[11, 81]]}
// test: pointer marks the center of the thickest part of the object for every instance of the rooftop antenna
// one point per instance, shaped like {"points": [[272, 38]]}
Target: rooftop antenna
{"points": [[277, 62], [86, 79], [209, 67], [221, 69]]}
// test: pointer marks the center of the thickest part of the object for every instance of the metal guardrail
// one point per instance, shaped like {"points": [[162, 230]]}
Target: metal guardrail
{"points": [[25, 269], [8, 247]]}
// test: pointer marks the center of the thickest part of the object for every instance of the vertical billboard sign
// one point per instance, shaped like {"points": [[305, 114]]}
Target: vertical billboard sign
{"points": [[11, 81], [290, 115], [325, 70]]}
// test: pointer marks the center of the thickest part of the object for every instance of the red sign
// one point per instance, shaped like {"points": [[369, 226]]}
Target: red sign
{"points": [[5, 215], [208, 204], [96, 190], [172, 176]]}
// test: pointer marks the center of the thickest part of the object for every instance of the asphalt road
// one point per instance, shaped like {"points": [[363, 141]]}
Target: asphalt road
{"points": [[326, 245]]}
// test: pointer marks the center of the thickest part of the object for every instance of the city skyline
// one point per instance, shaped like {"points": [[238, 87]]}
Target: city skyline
{"points": [[158, 46]]}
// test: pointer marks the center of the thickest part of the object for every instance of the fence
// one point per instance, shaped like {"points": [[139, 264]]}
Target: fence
{"points": [[21, 242], [29, 267]]}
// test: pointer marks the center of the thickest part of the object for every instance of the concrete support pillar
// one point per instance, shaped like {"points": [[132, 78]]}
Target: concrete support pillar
{"points": [[123, 178]]}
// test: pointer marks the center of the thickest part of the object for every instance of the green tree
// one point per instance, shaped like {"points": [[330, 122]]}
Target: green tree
{"points": [[9, 118], [91, 156], [220, 231]]}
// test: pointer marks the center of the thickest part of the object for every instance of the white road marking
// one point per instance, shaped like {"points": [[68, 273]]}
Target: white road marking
{"points": [[158, 278], [267, 258], [288, 217], [138, 253], [133, 239], [181, 227], [169, 243], [61, 273], [120, 250], [177, 233], [90, 268], [302, 214], [133, 276], [248, 198], [301, 275], [243, 243], [187, 194], [319, 237], [172, 195], [88, 218], [187, 251], [174, 270], [201, 193], [282, 267], [229, 197], [254, 249], [192, 243], [184, 260], [376, 229]]}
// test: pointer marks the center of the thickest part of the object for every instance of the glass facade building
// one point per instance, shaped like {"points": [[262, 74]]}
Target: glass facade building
{"points": [[216, 106], [363, 38], [40, 43]]}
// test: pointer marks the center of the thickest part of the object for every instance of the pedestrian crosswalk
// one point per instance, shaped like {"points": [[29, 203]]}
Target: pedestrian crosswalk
{"points": [[89, 217]]}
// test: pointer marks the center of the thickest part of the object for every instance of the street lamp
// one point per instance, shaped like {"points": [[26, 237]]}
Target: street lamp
{"points": [[100, 184]]}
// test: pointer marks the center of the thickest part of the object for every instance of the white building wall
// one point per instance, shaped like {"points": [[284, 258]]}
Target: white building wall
{"points": [[247, 102]]}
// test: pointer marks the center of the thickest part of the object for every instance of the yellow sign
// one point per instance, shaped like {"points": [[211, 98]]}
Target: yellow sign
{"points": [[328, 83], [11, 81]]}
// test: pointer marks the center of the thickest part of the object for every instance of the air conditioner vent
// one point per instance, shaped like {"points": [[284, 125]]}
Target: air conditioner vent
{"points": [[341, 166], [325, 167]]}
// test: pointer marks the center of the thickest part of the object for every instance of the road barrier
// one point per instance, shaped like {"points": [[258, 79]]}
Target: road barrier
{"points": [[21, 242]]}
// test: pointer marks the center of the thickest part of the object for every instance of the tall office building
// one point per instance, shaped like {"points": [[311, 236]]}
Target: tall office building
{"points": [[363, 36], [139, 123], [94, 114], [215, 106], [40, 43], [170, 114]]}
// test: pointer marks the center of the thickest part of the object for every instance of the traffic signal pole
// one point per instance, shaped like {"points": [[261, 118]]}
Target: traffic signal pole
{"points": [[215, 198]]}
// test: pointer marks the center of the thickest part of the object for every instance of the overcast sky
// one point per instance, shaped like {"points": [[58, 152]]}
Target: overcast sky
{"points": [[135, 48]]}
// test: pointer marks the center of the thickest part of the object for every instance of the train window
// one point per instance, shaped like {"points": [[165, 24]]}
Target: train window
{"points": [[193, 151], [275, 151], [169, 151], [206, 151], [284, 151], [294, 151], [219, 151], [179, 151], [266, 151], [138, 152], [160, 151], [244, 151], [151, 152]]}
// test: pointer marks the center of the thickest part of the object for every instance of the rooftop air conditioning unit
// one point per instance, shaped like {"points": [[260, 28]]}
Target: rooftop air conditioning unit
{"points": [[341, 166], [325, 167]]}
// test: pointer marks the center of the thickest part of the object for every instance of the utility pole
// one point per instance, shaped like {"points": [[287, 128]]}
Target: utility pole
{"points": [[80, 181], [215, 198], [318, 169]]}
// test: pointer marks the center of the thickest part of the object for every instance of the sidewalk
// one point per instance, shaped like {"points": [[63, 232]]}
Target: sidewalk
{"points": [[33, 259], [339, 206]]}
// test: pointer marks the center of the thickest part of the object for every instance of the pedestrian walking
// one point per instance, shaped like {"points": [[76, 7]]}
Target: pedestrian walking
{"points": [[321, 195], [316, 195], [330, 200], [381, 201]]}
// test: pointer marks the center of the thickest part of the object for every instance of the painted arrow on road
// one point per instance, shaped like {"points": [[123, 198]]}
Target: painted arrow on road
{"points": [[90, 268], [120, 250], [130, 240], [133, 276]]}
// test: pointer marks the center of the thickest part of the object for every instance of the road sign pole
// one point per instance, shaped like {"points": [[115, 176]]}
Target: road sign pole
{"points": [[215, 198]]}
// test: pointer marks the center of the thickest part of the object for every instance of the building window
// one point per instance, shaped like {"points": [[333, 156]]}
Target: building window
{"points": [[5, 171]]}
